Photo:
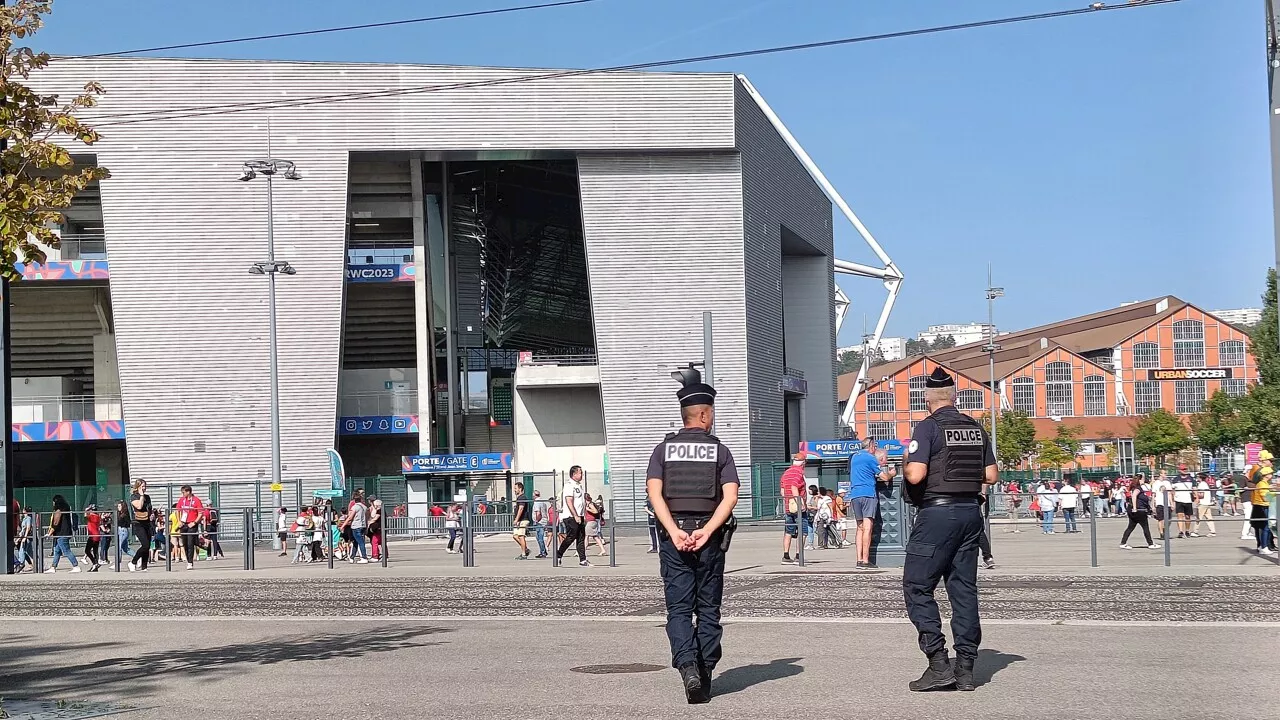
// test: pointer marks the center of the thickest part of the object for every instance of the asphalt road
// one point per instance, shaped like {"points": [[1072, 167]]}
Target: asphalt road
{"points": [[280, 669]]}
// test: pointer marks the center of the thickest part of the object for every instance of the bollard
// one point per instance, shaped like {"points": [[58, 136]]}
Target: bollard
{"points": [[1168, 520], [382, 533], [115, 531], [37, 545], [468, 557], [328, 533], [803, 534], [555, 543], [1093, 539], [246, 518], [164, 524], [613, 536]]}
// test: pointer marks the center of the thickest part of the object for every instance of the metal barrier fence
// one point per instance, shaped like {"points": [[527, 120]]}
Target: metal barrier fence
{"points": [[243, 527]]}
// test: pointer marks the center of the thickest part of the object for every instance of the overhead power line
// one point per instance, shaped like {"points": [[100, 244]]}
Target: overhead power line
{"points": [[131, 118], [344, 28]]}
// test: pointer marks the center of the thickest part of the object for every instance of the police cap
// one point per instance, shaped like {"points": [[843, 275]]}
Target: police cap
{"points": [[696, 394], [939, 379]]}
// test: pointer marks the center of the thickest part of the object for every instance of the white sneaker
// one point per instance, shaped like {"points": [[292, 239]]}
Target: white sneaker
{"points": [[189, 566], [362, 561], [75, 568], [1154, 546], [1194, 535], [1126, 546], [132, 567], [50, 571], [1261, 551]]}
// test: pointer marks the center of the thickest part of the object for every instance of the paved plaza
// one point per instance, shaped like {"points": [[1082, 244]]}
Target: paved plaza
{"points": [[426, 636]]}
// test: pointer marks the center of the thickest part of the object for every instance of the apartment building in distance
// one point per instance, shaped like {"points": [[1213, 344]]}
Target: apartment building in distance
{"points": [[1099, 371]]}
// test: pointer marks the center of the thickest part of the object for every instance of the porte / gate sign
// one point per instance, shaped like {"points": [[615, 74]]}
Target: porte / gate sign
{"points": [[458, 463], [833, 449]]}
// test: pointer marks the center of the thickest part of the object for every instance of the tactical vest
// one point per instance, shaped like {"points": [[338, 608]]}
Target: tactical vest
{"points": [[957, 469], [690, 473]]}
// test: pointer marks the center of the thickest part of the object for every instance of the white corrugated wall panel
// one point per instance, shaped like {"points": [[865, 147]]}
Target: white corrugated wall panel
{"points": [[191, 322], [664, 243]]}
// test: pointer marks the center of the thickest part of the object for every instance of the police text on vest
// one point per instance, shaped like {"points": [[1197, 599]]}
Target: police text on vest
{"points": [[692, 452], [963, 436]]}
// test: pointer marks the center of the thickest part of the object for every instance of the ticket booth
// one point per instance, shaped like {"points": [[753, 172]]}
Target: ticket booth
{"points": [[828, 464]]}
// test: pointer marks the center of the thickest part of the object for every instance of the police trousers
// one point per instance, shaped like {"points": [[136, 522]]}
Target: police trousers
{"points": [[944, 546], [693, 584]]}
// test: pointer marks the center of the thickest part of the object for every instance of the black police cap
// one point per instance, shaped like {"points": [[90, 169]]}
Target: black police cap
{"points": [[696, 394], [939, 379]]}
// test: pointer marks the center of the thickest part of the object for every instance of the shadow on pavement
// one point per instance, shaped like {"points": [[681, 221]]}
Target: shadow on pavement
{"points": [[740, 678], [990, 662], [54, 669]]}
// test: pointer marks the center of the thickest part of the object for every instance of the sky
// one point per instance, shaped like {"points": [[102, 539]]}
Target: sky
{"points": [[1090, 160]]}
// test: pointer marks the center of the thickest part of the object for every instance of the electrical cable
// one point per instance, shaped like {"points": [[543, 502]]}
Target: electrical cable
{"points": [[229, 108], [345, 28]]}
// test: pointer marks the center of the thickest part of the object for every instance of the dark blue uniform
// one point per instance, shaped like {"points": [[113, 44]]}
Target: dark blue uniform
{"points": [[693, 582], [944, 539]]}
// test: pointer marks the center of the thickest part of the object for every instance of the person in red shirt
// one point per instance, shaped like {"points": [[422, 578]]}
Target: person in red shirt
{"points": [[93, 526], [792, 485], [190, 511]]}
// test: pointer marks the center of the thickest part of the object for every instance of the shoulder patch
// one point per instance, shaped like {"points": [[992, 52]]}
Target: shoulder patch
{"points": [[914, 446]]}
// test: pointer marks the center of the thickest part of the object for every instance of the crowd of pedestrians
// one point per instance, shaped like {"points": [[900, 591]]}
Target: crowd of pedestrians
{"points": [[1186, 502]]}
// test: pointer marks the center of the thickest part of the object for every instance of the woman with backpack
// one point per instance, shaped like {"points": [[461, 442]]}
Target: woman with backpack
{"points": [[61, 528], [144, 525]]}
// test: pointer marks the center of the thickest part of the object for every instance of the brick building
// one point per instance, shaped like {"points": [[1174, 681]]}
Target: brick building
{"points": [[1098, 371]]}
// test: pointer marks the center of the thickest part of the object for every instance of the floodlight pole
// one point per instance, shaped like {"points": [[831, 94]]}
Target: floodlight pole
{"points": [[991, 348], [270, 167]]}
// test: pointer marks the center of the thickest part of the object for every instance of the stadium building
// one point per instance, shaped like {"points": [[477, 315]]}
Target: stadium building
{"points": [[486, 261], [1096, 371]]}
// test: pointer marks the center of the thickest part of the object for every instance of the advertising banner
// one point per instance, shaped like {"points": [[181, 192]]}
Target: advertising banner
{"points": [[1189, 374]]}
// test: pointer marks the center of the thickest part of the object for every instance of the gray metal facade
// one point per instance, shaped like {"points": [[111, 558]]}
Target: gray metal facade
{"points": [[653, 274], [778, 192], [670, 165]]}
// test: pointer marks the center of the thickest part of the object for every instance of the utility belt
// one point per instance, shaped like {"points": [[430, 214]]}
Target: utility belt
{"points": [[956, 500]]}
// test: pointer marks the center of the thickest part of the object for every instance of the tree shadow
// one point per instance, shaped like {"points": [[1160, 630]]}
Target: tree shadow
{"points": [[990, 662], [52, 668], [744, 676]]}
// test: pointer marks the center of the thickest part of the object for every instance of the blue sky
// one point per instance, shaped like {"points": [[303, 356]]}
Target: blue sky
{"points": [[1094, 159]]}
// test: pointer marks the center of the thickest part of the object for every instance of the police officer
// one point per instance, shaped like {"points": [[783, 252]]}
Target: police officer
{"points": [[693, 486], [948, 462]]}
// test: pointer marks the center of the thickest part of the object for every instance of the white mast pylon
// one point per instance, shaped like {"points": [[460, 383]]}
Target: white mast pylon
{"points": [[889, 274]]}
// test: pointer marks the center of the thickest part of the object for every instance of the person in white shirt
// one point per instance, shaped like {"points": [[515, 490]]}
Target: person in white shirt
{"points": [[1160, 494], [1047, 498], [1069, 501], [1204, 506], [1183, 503], [573, 505]]}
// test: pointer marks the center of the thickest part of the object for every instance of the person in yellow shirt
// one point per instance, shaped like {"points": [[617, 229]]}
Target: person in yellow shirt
{"points": [[175, 537], [1260, 503]]}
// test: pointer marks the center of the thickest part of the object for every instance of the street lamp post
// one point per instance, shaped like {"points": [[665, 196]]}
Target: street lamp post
{"points": [[991, 348], [269, 168]]}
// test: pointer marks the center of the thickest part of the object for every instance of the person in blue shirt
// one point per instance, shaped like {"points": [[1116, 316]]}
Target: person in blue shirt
{"points": [[864, 473]]}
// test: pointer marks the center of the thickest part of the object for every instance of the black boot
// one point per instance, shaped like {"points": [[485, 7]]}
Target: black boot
{"points": [[963, 669], [938, 676], [705, 674], [692, 679]]}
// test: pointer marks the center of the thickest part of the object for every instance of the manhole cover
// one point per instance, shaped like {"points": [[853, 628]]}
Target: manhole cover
{"points": [[617, 669], [60, 709]]}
